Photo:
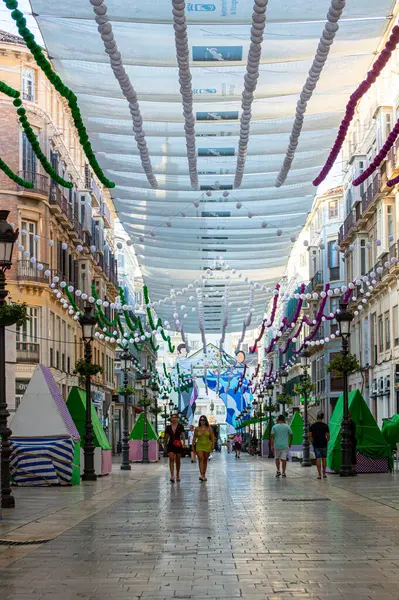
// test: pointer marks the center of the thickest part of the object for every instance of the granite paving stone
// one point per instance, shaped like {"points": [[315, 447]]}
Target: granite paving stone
{"points": [[243, 534]]}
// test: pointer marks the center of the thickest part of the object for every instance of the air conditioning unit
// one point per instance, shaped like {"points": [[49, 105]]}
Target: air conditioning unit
{"points": [[381, 385], [387, 384], [374, 388]]}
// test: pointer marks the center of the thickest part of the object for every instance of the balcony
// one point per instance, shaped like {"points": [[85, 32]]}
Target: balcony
{"points": [[77, 231], [317, 280], [106, 215], [40, 183], [359, 215], [28, 353], [26, 271], [92, 187], [60, 205]]}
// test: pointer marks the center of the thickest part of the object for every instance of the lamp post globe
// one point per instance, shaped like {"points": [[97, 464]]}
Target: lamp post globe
{"points": [[8, 237]]}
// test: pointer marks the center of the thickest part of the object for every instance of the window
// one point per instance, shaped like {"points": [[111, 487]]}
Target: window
{"points": [[373, 331], [28, 332], [28, 159], [333, 209], [395, 322], [220, 410], [387, 332], [333, 261], [363, 255], [31, 238], [388, 124], [380, 335], [390, 223], [28, 85]]}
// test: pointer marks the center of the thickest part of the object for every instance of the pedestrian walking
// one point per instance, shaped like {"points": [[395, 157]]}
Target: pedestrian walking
{"points": [[204, 441], [319, 435], [191, 445], [237, 444], [175, 441], [229, 444], [281, 442]]}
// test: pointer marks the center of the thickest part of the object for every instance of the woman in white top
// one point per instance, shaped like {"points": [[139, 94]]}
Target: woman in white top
{"points": [[190, 444]]}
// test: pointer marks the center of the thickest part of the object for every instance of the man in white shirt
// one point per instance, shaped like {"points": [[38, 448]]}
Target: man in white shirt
{"points": [[190, 444]]}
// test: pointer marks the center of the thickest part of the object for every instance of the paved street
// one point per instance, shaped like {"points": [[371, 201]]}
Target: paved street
{"points": [[242, 534]]}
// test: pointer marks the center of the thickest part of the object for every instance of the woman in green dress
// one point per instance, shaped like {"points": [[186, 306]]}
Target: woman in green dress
{"points": [[204, 443]]}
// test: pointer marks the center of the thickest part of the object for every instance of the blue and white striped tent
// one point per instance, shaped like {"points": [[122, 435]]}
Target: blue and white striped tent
{"points": [[45, 442], [42, 461]]}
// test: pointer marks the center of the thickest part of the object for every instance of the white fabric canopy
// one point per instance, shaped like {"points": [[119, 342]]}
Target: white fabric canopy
{"points": [[174, 250]]}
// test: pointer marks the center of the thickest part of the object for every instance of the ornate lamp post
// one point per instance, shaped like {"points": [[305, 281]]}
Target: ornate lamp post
{"points": [[88, 324], [155, 389], [126, 361], [306, 462], [283, 381], [145, 376], [260, 400], [269, 389], [255, 408], [344, 318], [165, 399], [171, 407], [8, 237]]}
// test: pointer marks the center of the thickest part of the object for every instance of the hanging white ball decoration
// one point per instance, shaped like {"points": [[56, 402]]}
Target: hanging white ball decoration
{"points": [[305, 243], [64, 246], [63, 284], [279, 232], [79, 248], [378, 242], [93, 249], [239, 205], [84, 296], [50, 243]]}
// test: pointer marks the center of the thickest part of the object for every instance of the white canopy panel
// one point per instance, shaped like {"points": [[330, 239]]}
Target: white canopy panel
{"points": [[180, 232]]}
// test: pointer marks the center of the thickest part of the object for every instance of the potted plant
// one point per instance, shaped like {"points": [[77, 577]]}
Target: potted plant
{"points": [[285, 400], [84, 369], [128, 390], [13, 313], [344, 364]]}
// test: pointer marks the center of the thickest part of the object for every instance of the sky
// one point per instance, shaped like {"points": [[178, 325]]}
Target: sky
{"points": [[7, 23]]}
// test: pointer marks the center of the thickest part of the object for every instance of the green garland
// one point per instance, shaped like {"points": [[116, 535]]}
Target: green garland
{"points": [[165, 337], [9, 91], [72, 301], [14, 177], [55, 79], [34, 142]]}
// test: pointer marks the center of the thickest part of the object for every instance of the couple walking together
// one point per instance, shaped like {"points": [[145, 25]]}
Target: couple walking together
{"points": [[281, 442], [175, 441]]}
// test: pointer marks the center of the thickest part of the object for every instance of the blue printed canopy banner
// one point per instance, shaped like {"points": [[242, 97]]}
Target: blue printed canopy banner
{"points": [[41, 462]]}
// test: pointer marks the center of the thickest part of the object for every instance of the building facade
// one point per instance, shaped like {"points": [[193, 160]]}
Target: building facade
{"points": [[315, 262], [369, 241], [68, 231]]}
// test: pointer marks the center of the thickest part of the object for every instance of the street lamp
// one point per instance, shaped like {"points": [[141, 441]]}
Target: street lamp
{"points": [[260, 399], [165, 399], [269, 389], [8, 237], [171, 407], [126, 361], [88, 324], [344, 319], [155, 389], [255, 408], [144, 376], [306, 462], [283, 381]]}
